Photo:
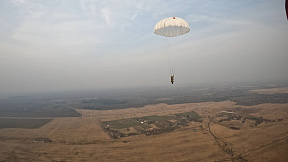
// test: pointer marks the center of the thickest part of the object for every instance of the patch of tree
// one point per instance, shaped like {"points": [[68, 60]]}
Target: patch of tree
{"points": [[35, 108], [103, 101], [251, 99], [230, 117], [52, 105], [242, 96], [92, 108], [190, 116], [258, 120], [235, 128]]}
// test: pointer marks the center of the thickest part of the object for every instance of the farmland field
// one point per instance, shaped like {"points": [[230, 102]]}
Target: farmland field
{"points": [[22, 123], [211, 131]]}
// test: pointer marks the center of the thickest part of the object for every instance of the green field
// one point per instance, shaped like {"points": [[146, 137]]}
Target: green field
{"points": [[23, 123], [124, 123], [155, 118], [191, 116]]}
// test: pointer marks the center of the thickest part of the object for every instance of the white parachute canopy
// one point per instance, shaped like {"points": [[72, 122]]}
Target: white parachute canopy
{"points": [[171, 27]]}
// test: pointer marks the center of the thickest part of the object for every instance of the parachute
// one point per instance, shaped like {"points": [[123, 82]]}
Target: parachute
{"points": [[286, 7], [171, 27]]}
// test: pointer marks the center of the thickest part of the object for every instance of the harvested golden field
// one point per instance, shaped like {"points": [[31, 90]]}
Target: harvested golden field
{"points": [[159, 109], [83, 139]]}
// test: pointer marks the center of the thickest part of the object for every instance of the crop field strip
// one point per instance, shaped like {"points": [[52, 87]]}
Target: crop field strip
{"points": [[23, 123]]}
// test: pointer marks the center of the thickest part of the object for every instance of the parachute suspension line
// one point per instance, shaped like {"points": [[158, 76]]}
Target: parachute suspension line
{"points": [[168, 52], [172, 56], [169, 55]]}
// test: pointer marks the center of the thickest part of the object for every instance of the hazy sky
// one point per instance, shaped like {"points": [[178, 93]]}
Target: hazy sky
{"points": [[58, 45]]}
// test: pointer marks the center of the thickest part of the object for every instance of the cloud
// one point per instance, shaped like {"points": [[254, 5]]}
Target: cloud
{"points": [[76, 44], [117, 14]]}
